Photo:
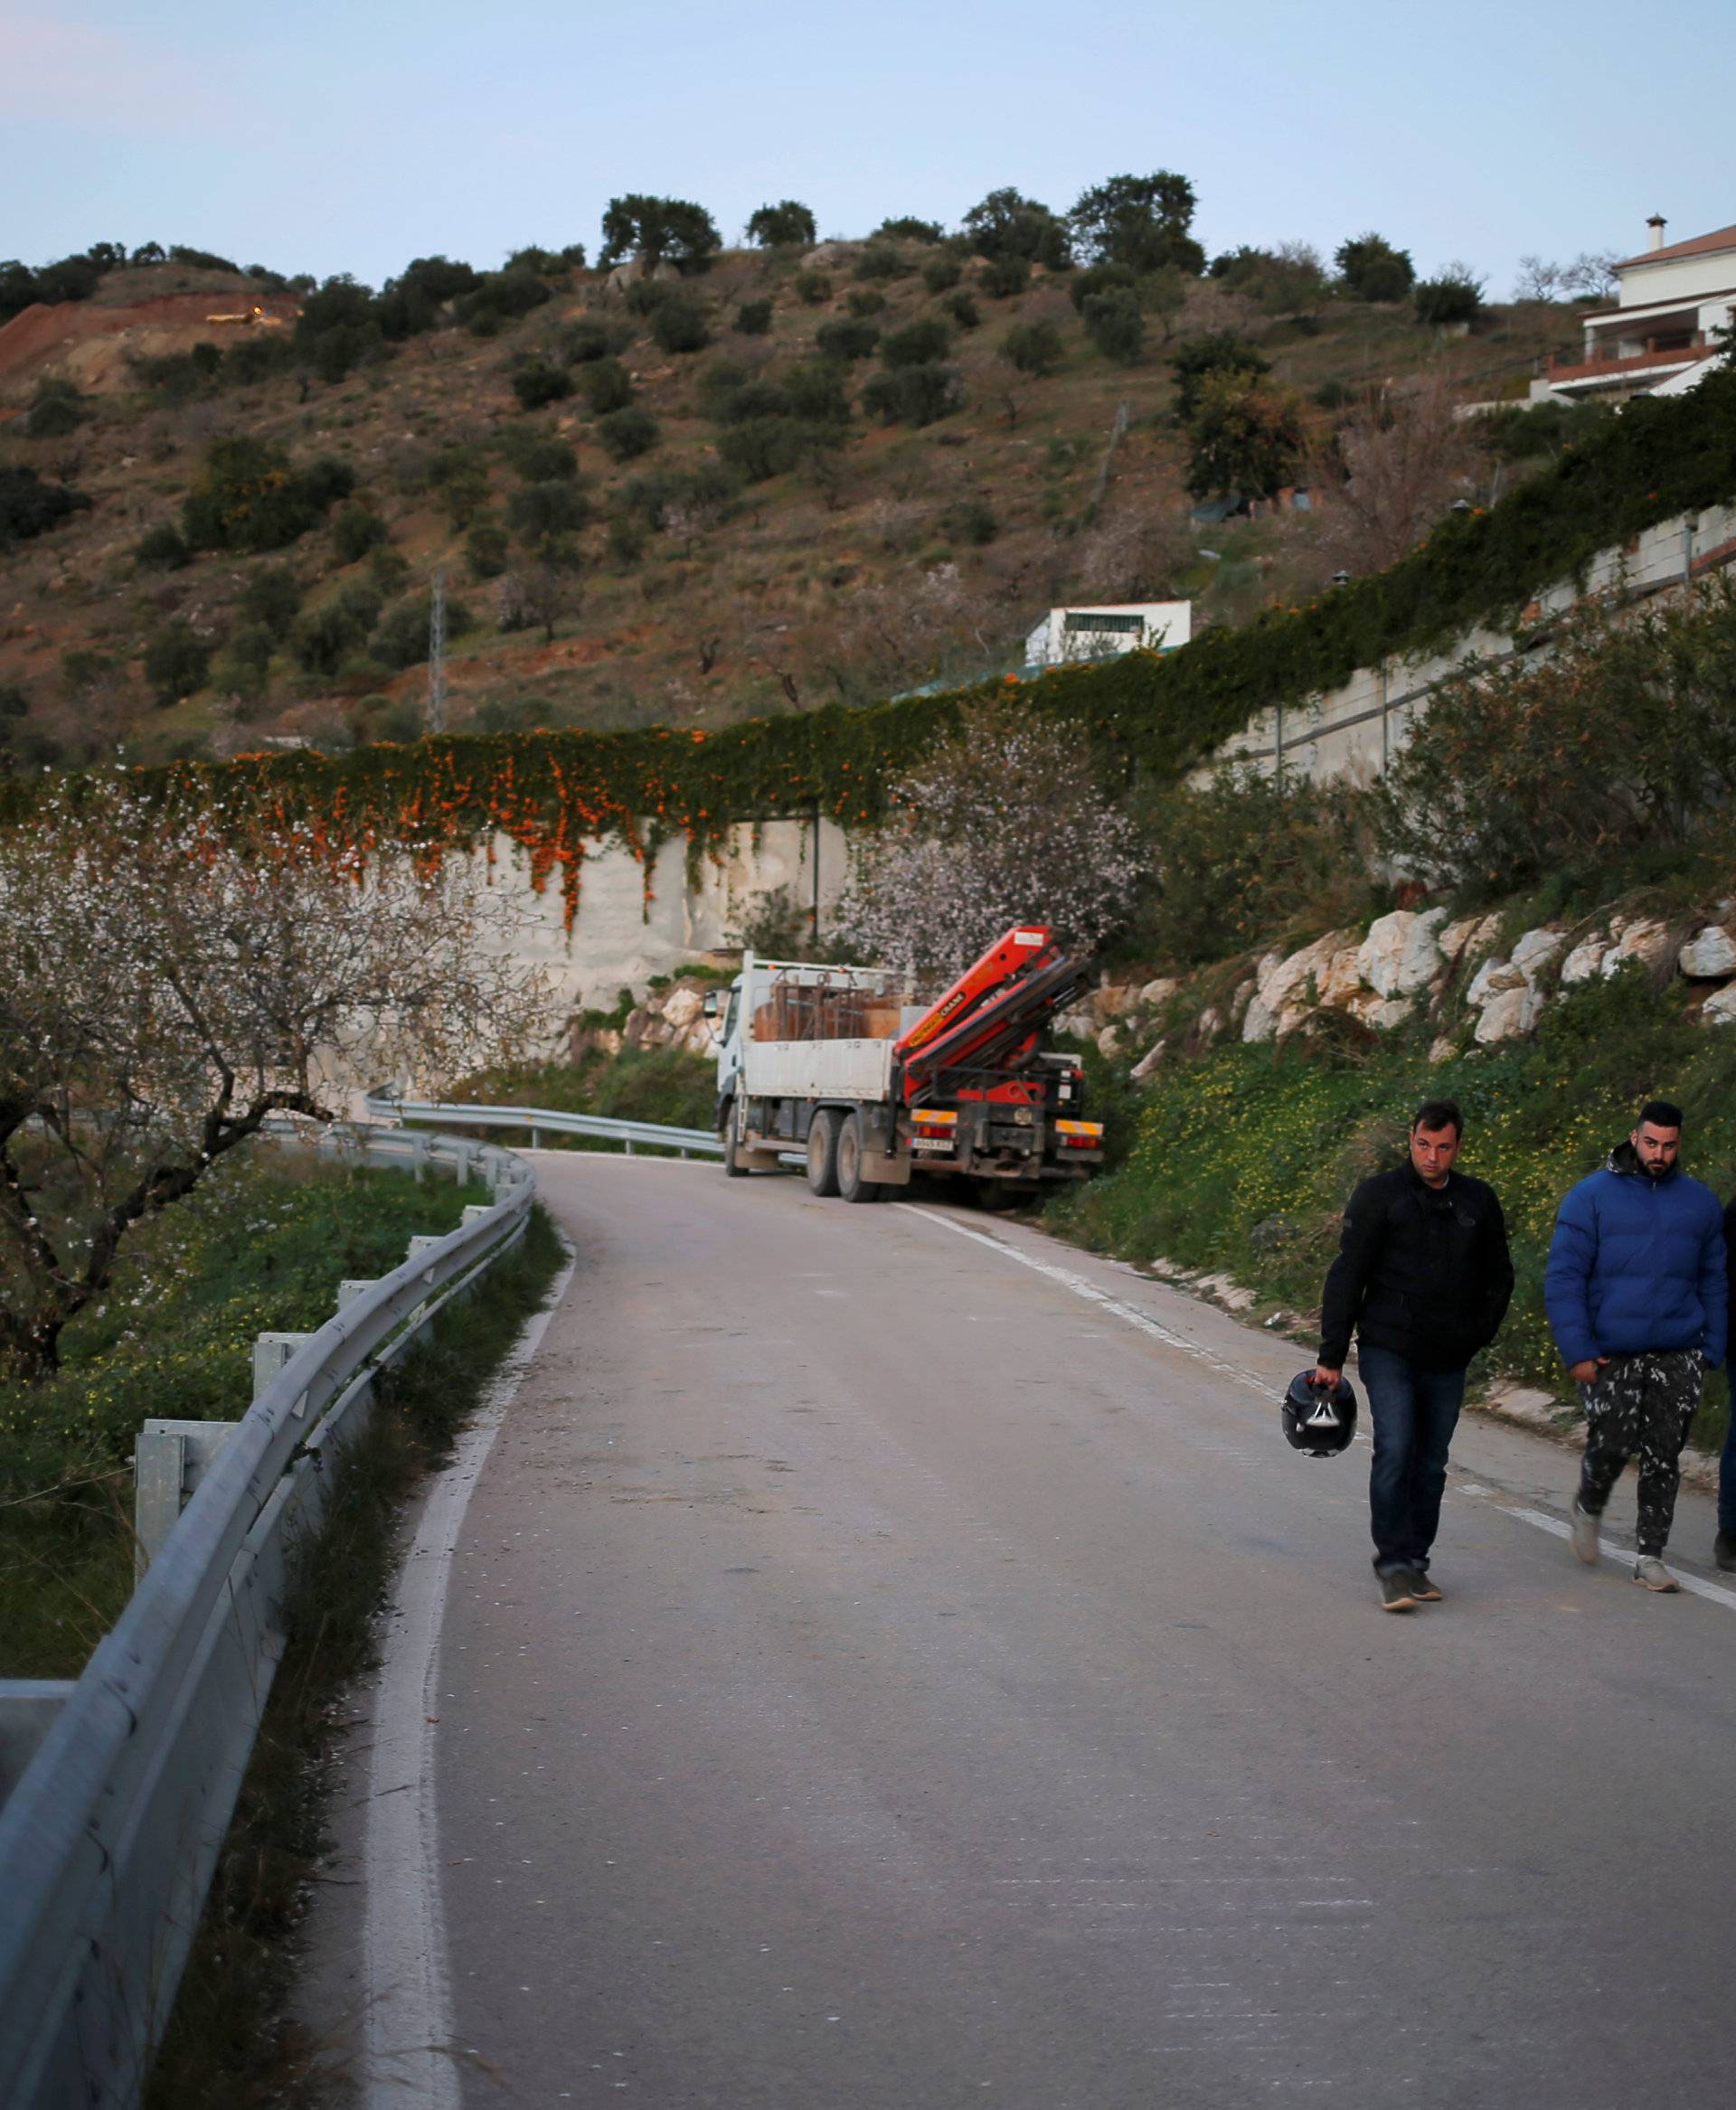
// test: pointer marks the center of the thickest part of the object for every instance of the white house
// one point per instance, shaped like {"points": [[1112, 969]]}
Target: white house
{"points": [[1099, 633], [1661, 335]]}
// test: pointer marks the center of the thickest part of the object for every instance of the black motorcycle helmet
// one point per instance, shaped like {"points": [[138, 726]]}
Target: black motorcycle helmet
{"points": [[1317, 1420]]}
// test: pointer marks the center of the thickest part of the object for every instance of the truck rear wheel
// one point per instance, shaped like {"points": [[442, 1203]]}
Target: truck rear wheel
{"points": [[823, 1153], [851, 1183]]}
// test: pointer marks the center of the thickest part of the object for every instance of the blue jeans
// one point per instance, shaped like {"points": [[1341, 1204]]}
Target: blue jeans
{"points": [[1414, 1413], [1727, 1476]]}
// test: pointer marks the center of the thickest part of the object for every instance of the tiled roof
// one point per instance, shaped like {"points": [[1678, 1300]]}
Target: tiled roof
{"points": [[1703, 245]]}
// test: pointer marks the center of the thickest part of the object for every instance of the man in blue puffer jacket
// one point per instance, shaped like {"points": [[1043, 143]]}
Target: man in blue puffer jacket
{"points": [[1636, 1298]]}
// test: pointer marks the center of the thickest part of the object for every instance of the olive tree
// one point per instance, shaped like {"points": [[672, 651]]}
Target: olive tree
{"points": [[167, 984]]}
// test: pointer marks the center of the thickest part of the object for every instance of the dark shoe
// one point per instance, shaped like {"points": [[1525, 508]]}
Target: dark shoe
{"points": [[1422, 1590], [1398, 1590], [1723, 1551]]}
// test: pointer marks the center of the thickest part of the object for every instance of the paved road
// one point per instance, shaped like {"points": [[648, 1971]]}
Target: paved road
{"points": [[879, 1673]]}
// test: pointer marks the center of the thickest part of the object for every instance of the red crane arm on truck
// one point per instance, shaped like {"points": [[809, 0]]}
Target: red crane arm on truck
{"points": [[993, 1011]]}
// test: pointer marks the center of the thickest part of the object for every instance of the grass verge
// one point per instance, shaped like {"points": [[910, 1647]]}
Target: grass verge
{"points": [[262, 1247], [1241, 1161], [229, 2044]]}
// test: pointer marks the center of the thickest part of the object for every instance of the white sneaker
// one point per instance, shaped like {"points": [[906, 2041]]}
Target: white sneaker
{"points": [[1585, 1534], [1650, 1574]]}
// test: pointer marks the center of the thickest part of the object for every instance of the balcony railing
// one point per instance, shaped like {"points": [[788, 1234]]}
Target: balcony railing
{"points": [[1610, 362]]}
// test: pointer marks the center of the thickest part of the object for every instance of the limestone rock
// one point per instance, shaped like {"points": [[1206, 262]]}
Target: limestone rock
{"points": [[1260, 1021], [1341, 979], [1493, 979], [1443, 1049], [1581, 965], [1536, 950], [1147, 1063], [1720, 1009], [1242, 998], [1208, 1027], [1401, 952], [1113, 1000], [1381, 1013], [1711, 952], [1157, 991], [1469, 937], [1078, 1024], [1108, 1042], [1646, 941], [1509, 1015], [681, 1006]]}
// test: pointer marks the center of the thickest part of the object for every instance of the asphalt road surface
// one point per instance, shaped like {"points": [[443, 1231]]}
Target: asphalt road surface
{"points": [[891, 1660]]}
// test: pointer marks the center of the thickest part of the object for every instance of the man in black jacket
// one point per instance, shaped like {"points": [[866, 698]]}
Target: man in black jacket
{"points": [[1423, 1278]]}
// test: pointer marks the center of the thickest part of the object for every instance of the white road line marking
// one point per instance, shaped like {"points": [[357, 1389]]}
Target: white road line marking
{"points": [[408, 2063], [1712, 1592], [1080, 1287]]}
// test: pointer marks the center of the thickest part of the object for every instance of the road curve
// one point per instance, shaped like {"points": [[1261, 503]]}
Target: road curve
{"points": [[892, 1661]]}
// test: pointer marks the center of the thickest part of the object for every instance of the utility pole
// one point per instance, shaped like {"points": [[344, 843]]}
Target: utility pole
{"points": [[436, 656]]}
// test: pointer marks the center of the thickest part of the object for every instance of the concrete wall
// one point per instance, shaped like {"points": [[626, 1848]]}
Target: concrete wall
{"points": [[1354, 731]]}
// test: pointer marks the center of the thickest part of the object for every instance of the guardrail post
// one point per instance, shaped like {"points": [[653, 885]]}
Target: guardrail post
{"points": [[28, 1706], [352, 1287], [170, 1458], [536, 1136], [418, 1155], [270, 1352], [472, 1211], [461, 1163]]}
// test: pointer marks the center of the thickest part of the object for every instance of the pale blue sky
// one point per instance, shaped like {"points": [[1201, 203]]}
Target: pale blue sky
{"points": [[325, 136]]}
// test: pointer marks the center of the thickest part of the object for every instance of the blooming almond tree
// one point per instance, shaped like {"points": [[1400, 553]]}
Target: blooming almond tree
{"points": [[1004, 824], [165, 987]]}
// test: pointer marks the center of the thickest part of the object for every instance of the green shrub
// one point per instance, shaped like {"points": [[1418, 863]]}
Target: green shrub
{"points": [[1100, 278], [538, 382], [589, 339], [1035, 348], [1007, 225], [502, 296], [785, 226], [355, 530], [248, 496], [1372, 269], [1455, 297], [389, 570], [909, 229], [812, 288], [864, 302], [762, 448], [753, 318], [28, 506], [242, 666], [917, 395], [972, 520], [963, 310], [56, 409], [163, 548], [919, 344], [848, 340], [879, 260], [815, 391], [607, 386], [941, 273], [1004, 278], [403, 637], [486, 549], [1219, 351], [176, 662], [679, 323], [539, 513], [1115, 327], [271, 596], [323, 638], [628, 434], [658, 230]]}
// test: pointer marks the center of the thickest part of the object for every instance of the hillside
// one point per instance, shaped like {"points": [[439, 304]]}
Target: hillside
{"points": [[776, 546]]}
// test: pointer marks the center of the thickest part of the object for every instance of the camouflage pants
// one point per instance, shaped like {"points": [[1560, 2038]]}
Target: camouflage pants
{"points": [[1641, 1404]]}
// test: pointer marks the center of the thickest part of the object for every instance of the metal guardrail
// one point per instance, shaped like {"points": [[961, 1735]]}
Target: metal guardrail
{"points": [[109, 1840], [382, 1107]]}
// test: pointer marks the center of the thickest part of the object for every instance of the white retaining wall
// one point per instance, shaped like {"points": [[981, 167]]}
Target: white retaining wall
{"points": [[1354, 731]]}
